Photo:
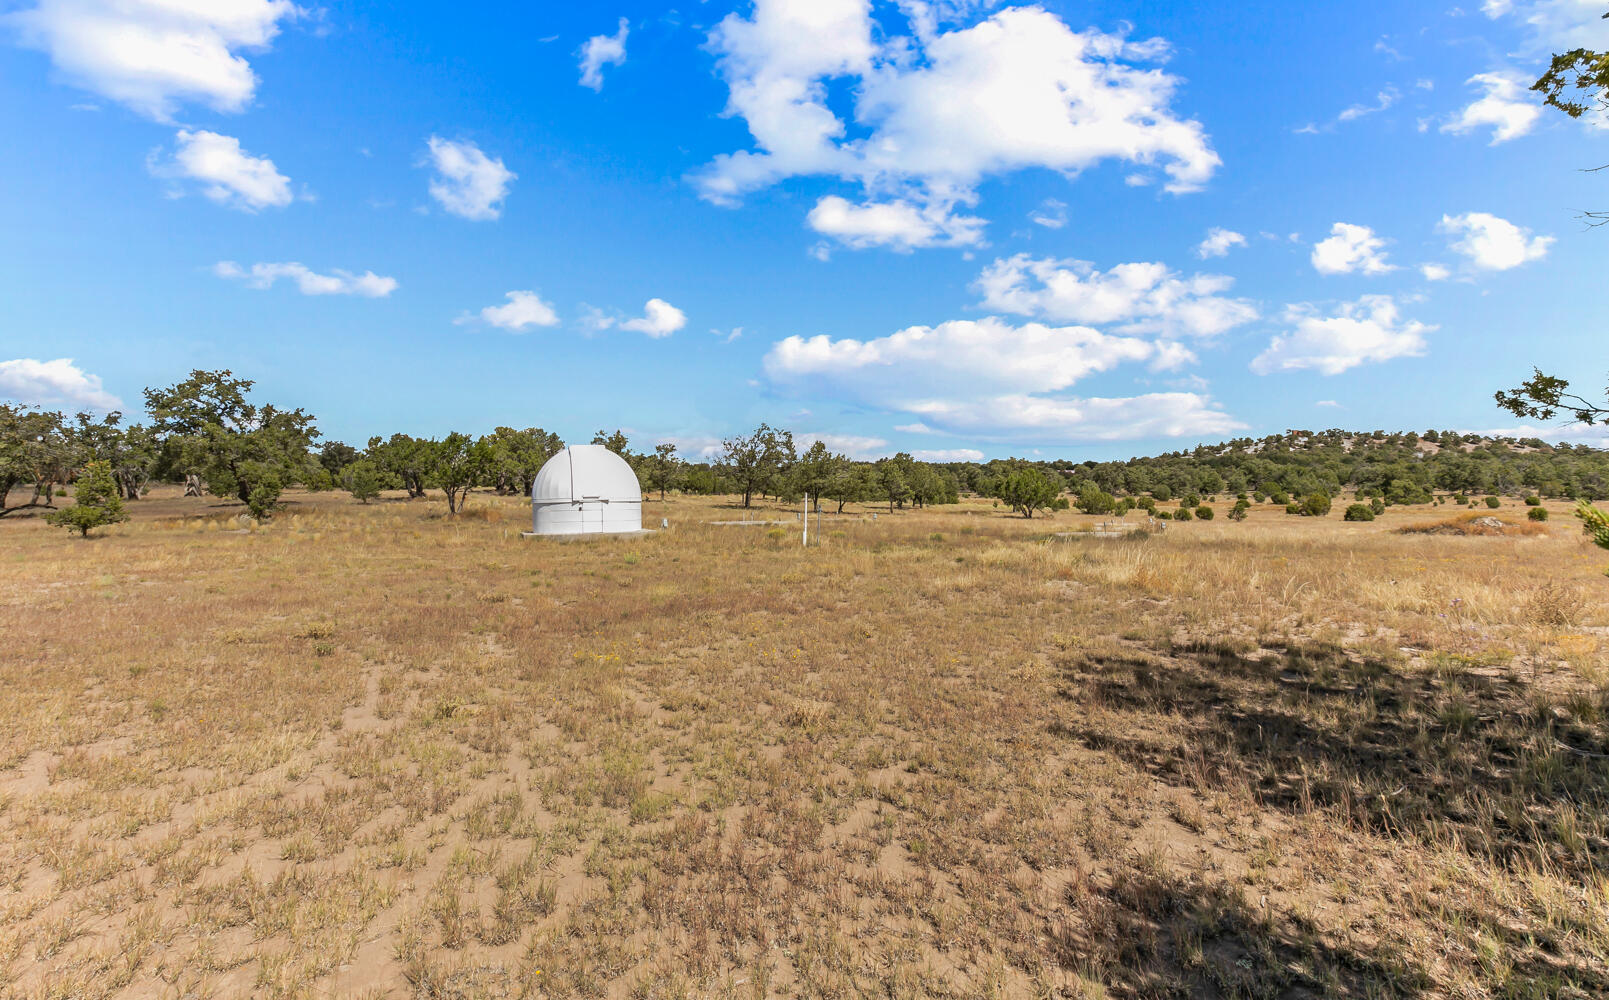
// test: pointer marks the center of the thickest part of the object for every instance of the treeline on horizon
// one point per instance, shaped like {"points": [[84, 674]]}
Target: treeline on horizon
{"points": [[207, 433]]}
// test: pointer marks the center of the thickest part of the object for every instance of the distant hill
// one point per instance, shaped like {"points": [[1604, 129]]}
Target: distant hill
{"points": [[1401, 467]]}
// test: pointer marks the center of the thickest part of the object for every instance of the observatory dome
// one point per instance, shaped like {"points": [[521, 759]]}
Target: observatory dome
{"points": [[586, 489]]}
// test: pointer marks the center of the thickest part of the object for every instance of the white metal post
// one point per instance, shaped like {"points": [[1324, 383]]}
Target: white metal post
{"points": [[806, 541]]}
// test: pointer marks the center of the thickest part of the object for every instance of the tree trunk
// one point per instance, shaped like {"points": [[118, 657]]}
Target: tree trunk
{"points": [[192, 486]]}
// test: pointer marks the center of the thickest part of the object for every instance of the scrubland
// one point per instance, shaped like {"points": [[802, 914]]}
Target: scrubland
{"points": [[374, 751]]}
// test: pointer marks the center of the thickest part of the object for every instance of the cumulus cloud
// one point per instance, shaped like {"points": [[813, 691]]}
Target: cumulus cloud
{"points": [[936, 113], [523, 310], [600, 51], [153, 55], [947, 455], [1505, 106], [1368, 330], [994, 380], [54, 383], [1578, 433], [1350, 249], [1219, 242], [956, 357], [308, 282], [1555, 25], [1491, 243], [659, 319], [855, 446], [1140, 297], [226, 173], [898, 225], [1435, 272], [468, 183], [1071, 420]]}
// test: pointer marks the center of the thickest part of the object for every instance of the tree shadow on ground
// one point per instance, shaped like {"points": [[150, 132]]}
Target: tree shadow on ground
{"points": [[1454, 755], [1146, 931]]}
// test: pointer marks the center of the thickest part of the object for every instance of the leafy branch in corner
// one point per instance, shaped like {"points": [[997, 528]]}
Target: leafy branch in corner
{"points": [[1542, 397]]}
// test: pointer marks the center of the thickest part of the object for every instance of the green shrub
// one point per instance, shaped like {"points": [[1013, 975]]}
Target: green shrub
{"points": [[1163, 515], [362, 480], [1315, 505], [1093, 500], [1538, 514], [1279, 497], [1204, 512], [1377, 506], [1359, 512], [1293, 508], [1493, 502], [263, 498], [1238, 511], [320, 481], [96, 502], [1532, 500], [1182, 514]]}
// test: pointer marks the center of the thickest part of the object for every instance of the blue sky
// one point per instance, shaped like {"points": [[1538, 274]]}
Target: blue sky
{"points": [[963, 229]]}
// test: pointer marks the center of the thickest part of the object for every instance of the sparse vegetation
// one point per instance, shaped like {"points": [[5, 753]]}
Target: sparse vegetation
{"points": [[410, 755]]}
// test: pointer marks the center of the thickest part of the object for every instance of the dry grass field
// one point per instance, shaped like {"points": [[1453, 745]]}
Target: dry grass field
{"points": [[371, 751]]}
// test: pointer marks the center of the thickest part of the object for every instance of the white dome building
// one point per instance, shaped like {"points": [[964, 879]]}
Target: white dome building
{"points": [[586, 489]]}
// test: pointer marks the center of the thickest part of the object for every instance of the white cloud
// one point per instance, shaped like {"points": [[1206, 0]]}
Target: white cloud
{"points": [[153, 55], [659, 319], [1505, 106], [1051, 213], [899, 225], [309, 282], [1142, 297], [1594, 434], [54, 383], [1171, 356], [600, 51], [1330, 403], [1556, 25], [853, 445], [523, 310], [947, 455], [1368, 330], [1491, 243], [468, 183], [989, 379], [1350, 249], [937, 113], [227, 174], [1434, 272], [1383, 101], [1218, 243], [1067, 420], [957, 357]]}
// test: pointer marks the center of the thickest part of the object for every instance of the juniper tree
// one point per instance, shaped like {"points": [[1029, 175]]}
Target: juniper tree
{"points": [[96, 502]]}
